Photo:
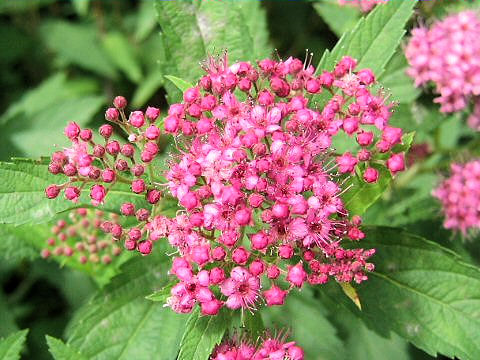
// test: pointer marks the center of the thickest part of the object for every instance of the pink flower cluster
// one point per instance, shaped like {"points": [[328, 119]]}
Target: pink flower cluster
{"points": [[79, 236], [101, 165], [255, 176], [447, 55], [273, 348], [460, 197], [256, 179], [363, 5]]}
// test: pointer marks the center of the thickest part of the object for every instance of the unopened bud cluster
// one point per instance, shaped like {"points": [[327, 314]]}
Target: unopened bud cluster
{"points": [[99, 165], [460, 197], [446, 54], [79, 237]]}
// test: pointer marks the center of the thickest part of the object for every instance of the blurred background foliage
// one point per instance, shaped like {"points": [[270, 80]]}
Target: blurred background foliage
{"points": [[65, 60]]}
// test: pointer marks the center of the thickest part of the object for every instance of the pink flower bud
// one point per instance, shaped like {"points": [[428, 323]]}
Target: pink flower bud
{"points": [[97, 193], [136, 119], [257, 267], [138, 170], [243, 216], [86, 134], [152, 132], [52, 191], [55, 168], [255, 200], [346, 163], [275, 296], [370, 175], [365, 138], [127, 209], [72, 130], [326, 79], [154, 196], [98, 151], [119, 102], [138, 186], [273, 272], [128, 150], [396, 163], [152, 113], [142, 215], [111, 114], [296, 275], [72, 193], [191, 95], [259, 241], [134, 234], [145, 247], [285, 251], [108, 175], [171, 124], [313, 86], [240, 255], [265, 98], [130, 245], [217, 275], [211, 307], [106, 130], [218, 253]]}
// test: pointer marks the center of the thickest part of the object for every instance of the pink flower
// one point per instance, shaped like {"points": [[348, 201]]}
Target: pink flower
{"points": [[241, 288]]}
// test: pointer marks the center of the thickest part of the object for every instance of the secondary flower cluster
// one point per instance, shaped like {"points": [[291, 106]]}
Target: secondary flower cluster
{"points": [[460, 197], [80, 237], [447, 55], [100, 165], [275, 348], [363, 5], [263, 212]]}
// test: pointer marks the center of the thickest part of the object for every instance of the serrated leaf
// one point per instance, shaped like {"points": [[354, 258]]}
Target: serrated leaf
{"points": [[193, 29], [161, 295], [423, 292], [78, 44], [306, 320], [202, 334], [396, 81], [11, 346], [374, 39], [122, 54], [119, 323], [43, 133], [338, 18], [181, 84], [22, 242], [23, 183], [62, 351]]}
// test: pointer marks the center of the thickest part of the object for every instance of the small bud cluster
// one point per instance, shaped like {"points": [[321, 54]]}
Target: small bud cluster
{"points": [[460, 197], [80, 237], [363, 5], [447, 55], [101, 165], [268, 347]]}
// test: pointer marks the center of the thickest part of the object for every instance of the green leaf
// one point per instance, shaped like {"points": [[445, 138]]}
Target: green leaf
{"points": [[23, 183], [397, 82], [306, 319], [423, 292], [122, 53], [202, 333], [43, 133], [61, 351], [161, 295], [338, 18], [374, 39], [146, 20], [145, 90], [193, 29], [119, 323], [256, 21], [181, 84], [81, 6], [11, 346], [22, 242], [78, 44]]}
